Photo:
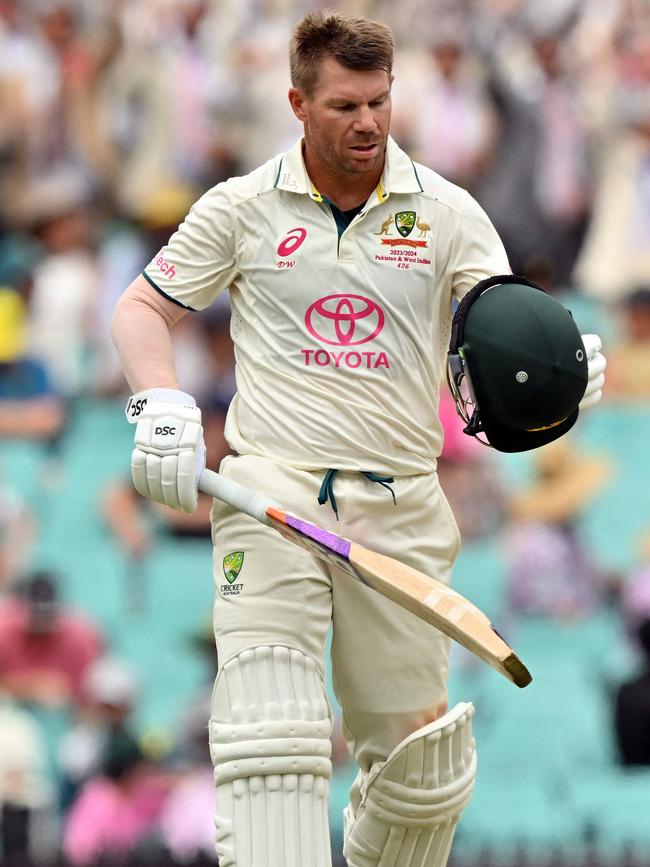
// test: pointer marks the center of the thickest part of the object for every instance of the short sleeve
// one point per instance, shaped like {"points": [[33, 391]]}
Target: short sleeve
{"points": [[198, 262], [478, 251]]}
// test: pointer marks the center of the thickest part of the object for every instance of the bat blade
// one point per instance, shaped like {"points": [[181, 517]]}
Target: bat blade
{"points": [[430, 600]]}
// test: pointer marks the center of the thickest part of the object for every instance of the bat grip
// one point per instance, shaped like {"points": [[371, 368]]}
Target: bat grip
{"points": [[236, 495]]}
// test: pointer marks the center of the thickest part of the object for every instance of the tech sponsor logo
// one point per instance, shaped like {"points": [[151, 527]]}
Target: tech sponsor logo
{"points": [[167, 268], [232, 566], [343, 321]]}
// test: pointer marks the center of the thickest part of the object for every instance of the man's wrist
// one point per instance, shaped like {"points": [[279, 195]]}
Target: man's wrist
{"points": [[137, 402]]}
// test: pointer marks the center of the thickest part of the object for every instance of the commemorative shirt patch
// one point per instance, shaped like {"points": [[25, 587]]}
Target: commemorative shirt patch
{"points": [[398, 249]]}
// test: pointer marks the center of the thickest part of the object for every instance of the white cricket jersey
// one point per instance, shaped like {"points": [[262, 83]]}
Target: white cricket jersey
{"points": [[340, 343]]}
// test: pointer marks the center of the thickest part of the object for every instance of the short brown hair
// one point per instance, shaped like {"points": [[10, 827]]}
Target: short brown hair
{"points": [[357, 43]]}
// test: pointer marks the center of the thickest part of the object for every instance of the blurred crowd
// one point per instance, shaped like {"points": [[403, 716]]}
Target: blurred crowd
{"points": [[114, 117]]}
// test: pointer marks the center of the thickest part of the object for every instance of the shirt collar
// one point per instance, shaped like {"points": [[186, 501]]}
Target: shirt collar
{"points": [[399, 175]]}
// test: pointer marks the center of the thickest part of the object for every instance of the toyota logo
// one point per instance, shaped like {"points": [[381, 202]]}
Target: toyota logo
{"points": [[344, 320]]}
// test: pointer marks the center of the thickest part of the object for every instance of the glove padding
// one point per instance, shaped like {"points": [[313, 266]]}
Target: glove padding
{"points": [[596, 364], [169, 453]]}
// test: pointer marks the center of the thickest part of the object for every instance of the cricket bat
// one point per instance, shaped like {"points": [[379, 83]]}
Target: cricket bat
{"points": [[430, 600]]}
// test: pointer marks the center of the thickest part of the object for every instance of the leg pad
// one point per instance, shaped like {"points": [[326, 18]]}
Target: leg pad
{"points": [[270, 746], [411, 803]]}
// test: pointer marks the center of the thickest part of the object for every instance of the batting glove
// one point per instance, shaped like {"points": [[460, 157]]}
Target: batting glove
{"points": [[596, 364], [169, 453]]}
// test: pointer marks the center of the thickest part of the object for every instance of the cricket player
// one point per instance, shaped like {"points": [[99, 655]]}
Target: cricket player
{"points": [[342, 258]]}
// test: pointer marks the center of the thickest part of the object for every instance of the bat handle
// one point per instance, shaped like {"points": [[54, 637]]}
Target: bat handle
{"points": [[236, 495]]}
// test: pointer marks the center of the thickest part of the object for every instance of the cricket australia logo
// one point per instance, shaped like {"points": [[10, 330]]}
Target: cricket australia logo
{"points": [[404, 222], [232, 566]]}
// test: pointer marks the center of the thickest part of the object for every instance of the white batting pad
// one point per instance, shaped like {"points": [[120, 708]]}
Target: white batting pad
{"points": [[411, 803], [270, 746]]}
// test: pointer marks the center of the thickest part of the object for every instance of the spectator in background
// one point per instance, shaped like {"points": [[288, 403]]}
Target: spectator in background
{"points": [[17, 536], [550, 570], [469, 477], [616, 253], [29, 406], [536, 175], [107, 702], [45, 648], [119, 808], [628, 373], [69, 62], [26, 792], [26, 90], [158, 101], [187, 818], [50, 63], [258, 65], [560, 174], [634, 591], [57, 210], [453, 128], [632, 707]]}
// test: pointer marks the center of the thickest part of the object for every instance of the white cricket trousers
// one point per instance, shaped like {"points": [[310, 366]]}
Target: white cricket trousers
{"points": [[389, 668]]}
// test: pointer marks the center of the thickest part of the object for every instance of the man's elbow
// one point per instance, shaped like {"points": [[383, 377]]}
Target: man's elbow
{"points": [[119, 318], [141, 301]]}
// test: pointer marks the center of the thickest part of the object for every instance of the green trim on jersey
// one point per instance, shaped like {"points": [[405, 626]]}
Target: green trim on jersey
{"points": [[277, 177], [165, 295], [417, 177]]}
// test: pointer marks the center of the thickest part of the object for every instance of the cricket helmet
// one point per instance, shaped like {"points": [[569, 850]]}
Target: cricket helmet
{"points": [[516, 365]]}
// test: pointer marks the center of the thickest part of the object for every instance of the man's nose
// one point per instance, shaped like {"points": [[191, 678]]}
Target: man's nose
{"points": [[365, 120]]}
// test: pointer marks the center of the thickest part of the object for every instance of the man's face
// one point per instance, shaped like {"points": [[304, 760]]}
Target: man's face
{"points": [[346, 118]]}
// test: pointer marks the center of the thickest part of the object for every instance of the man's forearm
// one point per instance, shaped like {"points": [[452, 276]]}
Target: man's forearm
{"points": [[141, 333], [168, 440]]}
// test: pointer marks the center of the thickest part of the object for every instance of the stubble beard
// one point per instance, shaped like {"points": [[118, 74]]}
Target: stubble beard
{"points": [[330, 155], [338, 164]]}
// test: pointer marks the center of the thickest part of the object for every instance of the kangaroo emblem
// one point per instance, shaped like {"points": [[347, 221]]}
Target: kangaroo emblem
{"points": [[385, 226], [423, 227]]}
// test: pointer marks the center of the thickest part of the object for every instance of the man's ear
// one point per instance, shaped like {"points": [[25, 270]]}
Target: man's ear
{"points": [[297, 100]]}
